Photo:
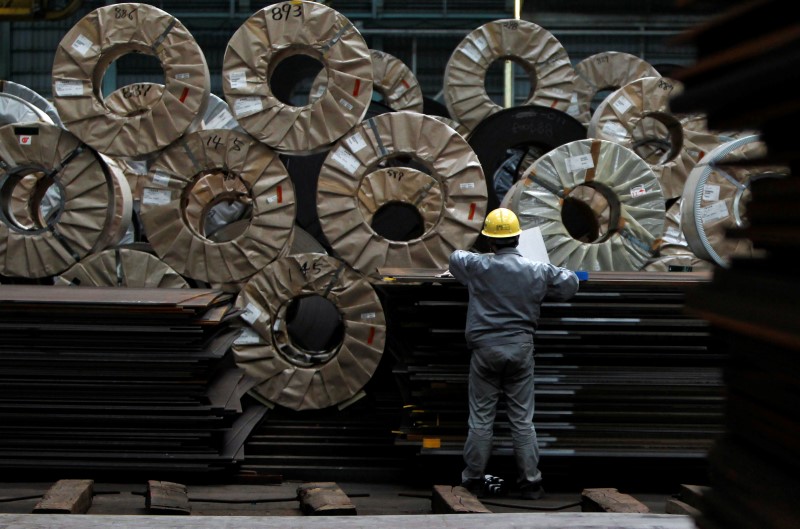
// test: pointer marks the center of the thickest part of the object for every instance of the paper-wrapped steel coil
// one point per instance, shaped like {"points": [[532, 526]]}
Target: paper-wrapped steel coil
{"points": [[87, 208], [716, 196], [638, 117], [531, 46], [122, 267], [608, 70], [275, 33], [535, 129], [391, 78], [200, 171], [290, 375], [674, 253], [455, 125], [630, 187], [453, 180], [103, 36], [30, 97]]}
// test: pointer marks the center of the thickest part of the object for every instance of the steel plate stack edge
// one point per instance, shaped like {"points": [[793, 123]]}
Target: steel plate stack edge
{"points": [[746, 78], [129, 380]]}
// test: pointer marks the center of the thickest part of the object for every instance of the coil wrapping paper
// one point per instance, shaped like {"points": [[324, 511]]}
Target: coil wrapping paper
{"points": [[716, 196], [267, 353], [531, 46], [608, 70], [31, 97], [275, 33], [538, 199], [196, 173], [122, 267], [85, 192], [640, 111], [455, 125], [674, 251], [101, 37], [455, 181]]}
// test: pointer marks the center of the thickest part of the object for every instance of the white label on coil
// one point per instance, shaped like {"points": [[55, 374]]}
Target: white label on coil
{"points": [[673, 233], [320, 90], [400, 90], [221, 121], [272, 198], [247, 105], [579, 163], [356, 142], [183, 76], [69, 87], [25, 139], [250, 314], [612, 128], [622, 104], [349, 162], [367, 315], [248, 337], [638, 191], [156, 197], [468, 185], [138, 166], [711, 192], [161, 179], [573, 109], [346, 104], [716, 211], [480, 42], [82, 44], [470, 51], [238, 79]]}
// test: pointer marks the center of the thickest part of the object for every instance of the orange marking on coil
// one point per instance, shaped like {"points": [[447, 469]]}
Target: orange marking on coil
{"points": [[184, 95], [357, 87], [553, 104], [405, 83], [280, 194], [472, 208], [371, 336]]}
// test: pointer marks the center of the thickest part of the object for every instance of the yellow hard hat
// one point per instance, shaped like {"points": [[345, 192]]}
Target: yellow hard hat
{"points": [[500, 223]]}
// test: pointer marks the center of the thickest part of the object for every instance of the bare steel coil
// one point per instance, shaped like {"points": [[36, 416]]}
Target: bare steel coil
{"points": [[368, 169], [30, 97], [210, 168], [531, 46], [92, 207], [674, 253], [101, 37], [295, 371], [276, 33], [598, 205], [608, 70]]}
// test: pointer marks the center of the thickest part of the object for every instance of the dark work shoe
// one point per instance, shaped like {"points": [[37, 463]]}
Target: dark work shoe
{"points": [[474, 486], [533, 491]]}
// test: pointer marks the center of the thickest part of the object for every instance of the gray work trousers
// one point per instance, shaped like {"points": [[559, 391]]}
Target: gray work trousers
{"points": [[502, 369]]}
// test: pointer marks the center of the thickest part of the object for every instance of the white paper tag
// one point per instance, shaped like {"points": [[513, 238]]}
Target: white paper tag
{"points": [[320, 90], [480, 42], [638, 191], [367, 315], [82, 44], [222, 120], [246, 106], [470, 51], [579, 163], [182, 76], [272, 198], [716, 211], [710, 192], [400, 90], [238, 79], [69, 88], [346, 104], [138, 166], [573, 110], [356, 142], [622, 104], [248, 337], [349, 162], [468, 185], [251, 313], [25, 139], [612, 128], [156, 197], [673, 233], [162, 179]]}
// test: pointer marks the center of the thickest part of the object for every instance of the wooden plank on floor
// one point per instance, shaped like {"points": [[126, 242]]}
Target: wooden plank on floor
{"points": [[67, 496], [610, 500], [676, 506], [448, 499], [324, 499], [166, 497]]}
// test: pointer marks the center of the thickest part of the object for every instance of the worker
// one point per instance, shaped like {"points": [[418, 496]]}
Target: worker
{"points": [[505, 296]]}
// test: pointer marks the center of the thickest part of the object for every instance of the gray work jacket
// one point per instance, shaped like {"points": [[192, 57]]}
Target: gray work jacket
{"points": [[506, 292]]}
